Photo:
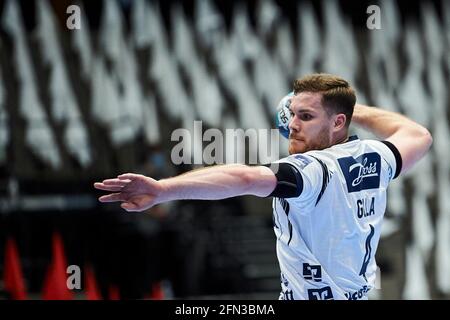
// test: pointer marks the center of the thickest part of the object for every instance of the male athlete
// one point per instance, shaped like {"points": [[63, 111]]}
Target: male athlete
{"points": [[329, 195]]}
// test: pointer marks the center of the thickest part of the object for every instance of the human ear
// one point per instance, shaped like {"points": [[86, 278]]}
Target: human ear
{"points": [[339, 121]]}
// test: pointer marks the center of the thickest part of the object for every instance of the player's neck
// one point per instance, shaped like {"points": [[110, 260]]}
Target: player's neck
{"points": [[341, 139]]}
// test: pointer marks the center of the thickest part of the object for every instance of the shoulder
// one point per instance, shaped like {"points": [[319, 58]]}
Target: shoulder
{"points": [[390, 155], [299, 160], [315, 172]]}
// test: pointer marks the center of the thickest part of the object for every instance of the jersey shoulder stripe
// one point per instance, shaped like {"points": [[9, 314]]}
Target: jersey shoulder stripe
{"points": [[325, 179]]}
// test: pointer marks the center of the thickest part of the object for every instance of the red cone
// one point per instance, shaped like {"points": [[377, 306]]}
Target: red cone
{"points": [[12, 276], [55, 283], [114, 293], [91, 288], [157, 292]]}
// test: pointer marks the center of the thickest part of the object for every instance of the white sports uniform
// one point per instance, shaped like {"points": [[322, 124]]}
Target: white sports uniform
{"points": [[328, 235]]}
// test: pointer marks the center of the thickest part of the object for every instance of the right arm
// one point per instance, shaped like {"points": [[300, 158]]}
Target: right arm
{"points": [[410, 138], [138, 192]]}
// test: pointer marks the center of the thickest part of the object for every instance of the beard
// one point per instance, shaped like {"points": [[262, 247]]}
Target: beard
{"points": [[320, 142]]}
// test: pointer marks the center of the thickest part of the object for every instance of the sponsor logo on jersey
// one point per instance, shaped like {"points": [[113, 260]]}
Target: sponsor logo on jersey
{"points": [[361, 173], [357, 295], [284, 280], [301, 160], [324, 293], [286, 295], [312, 272]]}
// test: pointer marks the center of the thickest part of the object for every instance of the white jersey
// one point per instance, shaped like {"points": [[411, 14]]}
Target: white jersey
{"points": [[328, 235]]}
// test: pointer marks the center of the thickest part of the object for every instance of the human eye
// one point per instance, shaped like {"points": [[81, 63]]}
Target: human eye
{"points": [[306, 116]]}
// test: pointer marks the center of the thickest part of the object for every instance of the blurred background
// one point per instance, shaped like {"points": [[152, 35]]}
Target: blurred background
{"points": [[81, 105]]}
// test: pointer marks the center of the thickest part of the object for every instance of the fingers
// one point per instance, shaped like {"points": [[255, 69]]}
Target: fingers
{"points": [[129, 176], [111, 184], [113, 197], [102, 186], [115, 182], [129, 206], [122, 188], [138, 203]]}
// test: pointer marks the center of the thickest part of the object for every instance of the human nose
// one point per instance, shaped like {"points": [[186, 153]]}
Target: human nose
{"points": [[293, 124]]}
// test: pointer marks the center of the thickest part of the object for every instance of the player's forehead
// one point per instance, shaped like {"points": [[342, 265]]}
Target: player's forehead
{"points": [[307, 101]]}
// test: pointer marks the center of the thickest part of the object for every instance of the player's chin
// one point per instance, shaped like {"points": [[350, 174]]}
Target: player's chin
{"points": [[296, 146]]}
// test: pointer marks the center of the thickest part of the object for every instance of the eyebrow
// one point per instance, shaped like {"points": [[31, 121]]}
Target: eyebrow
{"points": [[304, 110]]}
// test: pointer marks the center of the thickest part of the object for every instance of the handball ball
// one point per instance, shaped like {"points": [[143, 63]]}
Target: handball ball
{"points": [[283, 115]]}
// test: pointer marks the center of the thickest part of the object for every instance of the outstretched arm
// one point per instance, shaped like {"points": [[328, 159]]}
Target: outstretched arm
{"points": [[138, 192], [410, 138]]}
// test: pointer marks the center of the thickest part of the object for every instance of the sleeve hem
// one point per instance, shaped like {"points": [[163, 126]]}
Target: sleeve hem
{"points": [[398, 157], [289, 181]]}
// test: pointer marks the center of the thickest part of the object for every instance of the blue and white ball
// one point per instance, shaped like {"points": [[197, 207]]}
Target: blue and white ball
{"points": [[283, 115]]}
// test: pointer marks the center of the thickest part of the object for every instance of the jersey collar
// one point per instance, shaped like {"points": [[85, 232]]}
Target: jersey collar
{"points": [[352, 138]]}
